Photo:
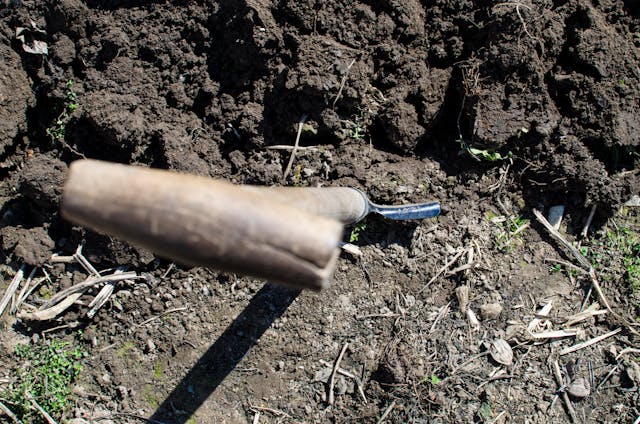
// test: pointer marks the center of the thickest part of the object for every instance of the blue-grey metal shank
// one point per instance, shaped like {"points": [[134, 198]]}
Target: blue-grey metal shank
{"points": [[401, 212], [417, 211]]}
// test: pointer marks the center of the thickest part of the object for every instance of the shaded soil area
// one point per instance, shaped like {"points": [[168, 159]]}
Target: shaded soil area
{"points": [[493, 108]]}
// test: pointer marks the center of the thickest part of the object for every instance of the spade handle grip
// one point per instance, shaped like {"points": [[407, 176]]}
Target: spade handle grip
{"points": [[203, 222]]}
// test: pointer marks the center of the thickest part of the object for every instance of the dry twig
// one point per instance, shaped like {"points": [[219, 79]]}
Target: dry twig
{"points": [[355, 378], [8, 413], [589, 342], [443, 269], [332, 379], [387, 412], [42, 412], [584, 263], [295, 148], [565, 396]]}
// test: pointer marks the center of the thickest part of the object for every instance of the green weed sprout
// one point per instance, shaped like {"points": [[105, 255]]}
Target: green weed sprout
{"points": [[46, 375], [58, 128]]}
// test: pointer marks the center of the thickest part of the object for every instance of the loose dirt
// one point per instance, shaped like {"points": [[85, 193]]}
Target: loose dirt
{"points": [[492, 108]]}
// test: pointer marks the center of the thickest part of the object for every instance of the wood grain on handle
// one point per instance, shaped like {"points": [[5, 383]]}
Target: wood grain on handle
{"points": [[343, 204], [203, 222]]}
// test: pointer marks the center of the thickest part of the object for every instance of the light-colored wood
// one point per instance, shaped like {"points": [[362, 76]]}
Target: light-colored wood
{"points": [[203, 222], [343, 204]]}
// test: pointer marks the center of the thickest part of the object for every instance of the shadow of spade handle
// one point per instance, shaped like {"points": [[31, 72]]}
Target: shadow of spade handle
{"points": [[224, 354]]}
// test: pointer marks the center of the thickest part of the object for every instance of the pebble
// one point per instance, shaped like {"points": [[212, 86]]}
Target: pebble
{"points": [[157, 306], [122, 390], [579, 388], [490, 310]]}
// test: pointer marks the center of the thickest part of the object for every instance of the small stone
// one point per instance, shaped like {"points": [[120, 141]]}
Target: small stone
{"points": [[579, 388], [157, 306], [633, 373], [280, 366], [151, 346], [490, 310], [633, 202], [501, 352], [122, 390]]}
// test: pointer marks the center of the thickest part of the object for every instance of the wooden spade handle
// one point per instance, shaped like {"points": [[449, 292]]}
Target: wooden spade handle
{"points": [[344, 204], [203, 222]]}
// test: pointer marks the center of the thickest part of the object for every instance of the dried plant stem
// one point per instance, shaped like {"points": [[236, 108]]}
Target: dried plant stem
{"points": [[589, 342], [42, 412], [342, 83], [584, 263], [565, 396], [8, 413], [13, 286], [295, 148], [332, 379], [90, 282], [443, 269], [387, 412]]}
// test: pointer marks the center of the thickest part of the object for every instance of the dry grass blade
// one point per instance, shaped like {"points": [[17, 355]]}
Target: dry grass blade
{"points": [[555, 334], [275, 412], [84, 262], [591, 311], [13, 286], [589, 342], [23, 297], [342, 83], [167, 312]]}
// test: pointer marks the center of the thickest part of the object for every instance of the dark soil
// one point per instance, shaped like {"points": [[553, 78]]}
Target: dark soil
{"points": [[396, 96]]}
